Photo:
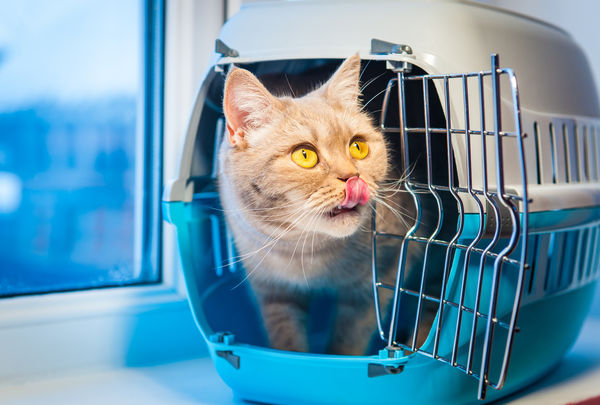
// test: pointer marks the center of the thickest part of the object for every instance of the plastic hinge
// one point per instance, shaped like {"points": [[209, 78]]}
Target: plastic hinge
{"points": [[377, 370], [227, 338], [380, 47], [230, 357]]}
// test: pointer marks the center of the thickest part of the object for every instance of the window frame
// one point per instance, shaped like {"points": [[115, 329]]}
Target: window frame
{"points": [[149, 158], [114, 327], [148, 163]]}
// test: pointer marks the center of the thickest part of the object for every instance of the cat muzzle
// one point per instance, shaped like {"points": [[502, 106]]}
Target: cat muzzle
{"points": [[357, 193]]}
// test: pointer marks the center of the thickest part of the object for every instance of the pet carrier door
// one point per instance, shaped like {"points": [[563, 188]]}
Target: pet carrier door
{"points": [[470, 222]]}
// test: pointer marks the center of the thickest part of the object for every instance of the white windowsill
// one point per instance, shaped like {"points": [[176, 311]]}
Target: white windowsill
{"points": [[196, 382], [185, 382], [46, 335], [56, 307]]}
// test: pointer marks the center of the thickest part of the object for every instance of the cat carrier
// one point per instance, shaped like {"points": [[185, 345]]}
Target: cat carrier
{"points": [[504, 179]]}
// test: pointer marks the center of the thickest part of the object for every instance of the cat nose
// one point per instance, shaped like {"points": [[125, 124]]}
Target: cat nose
{"points": [[346, 176]]}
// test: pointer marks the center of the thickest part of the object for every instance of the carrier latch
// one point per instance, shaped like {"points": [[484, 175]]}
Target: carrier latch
{"points": [[379, 47], [222, 48]]}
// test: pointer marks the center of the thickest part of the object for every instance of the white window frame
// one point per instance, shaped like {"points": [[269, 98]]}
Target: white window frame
{"points": [[115, 327]]}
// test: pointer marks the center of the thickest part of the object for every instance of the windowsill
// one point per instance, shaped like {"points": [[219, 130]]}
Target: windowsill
{"points": [[196, 382], [49, 335], [37, 309], [185, 382]]}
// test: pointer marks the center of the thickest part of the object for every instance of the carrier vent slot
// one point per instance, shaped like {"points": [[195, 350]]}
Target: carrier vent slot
{"points": [[538, 161], [568, 152]]}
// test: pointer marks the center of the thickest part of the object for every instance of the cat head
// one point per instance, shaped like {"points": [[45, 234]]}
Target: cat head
{"points": [[308, 164]]}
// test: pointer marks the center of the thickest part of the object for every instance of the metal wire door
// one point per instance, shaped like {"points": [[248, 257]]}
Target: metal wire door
{"points": [[485, 253]]}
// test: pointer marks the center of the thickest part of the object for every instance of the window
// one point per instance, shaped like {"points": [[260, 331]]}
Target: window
{"points": [[80, 119]]}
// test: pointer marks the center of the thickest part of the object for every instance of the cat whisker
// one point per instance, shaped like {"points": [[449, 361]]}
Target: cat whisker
{"points": [[394, 203], [289, 85], [300, 210], [313, 221], [289, 220], [295, 247], [316, 202], [408, 172], [364, 69], [390, 192], [273, 237], [318, 214], [370, 81], [257, 209], [402, 179], [312, 247], [372, 98], [249, 273], [397, 213]]}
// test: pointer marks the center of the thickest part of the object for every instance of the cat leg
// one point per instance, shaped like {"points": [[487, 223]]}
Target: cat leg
{"points": [[354, 327], [285, 318]]}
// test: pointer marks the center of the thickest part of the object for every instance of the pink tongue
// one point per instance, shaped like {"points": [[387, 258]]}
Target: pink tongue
{"points": [[357, 192]]}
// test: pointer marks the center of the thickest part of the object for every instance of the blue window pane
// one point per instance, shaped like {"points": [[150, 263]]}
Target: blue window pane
{"points": [[72, 94]]}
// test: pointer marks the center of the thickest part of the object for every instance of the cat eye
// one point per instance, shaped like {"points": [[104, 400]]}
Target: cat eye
{"points": [[359, 149], [305, 157]]}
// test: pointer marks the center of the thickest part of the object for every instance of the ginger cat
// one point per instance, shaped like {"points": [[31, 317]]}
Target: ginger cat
{"points": [[297, 180]]}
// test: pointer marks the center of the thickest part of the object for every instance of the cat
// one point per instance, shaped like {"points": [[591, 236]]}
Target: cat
{"points": [[297, 180]]}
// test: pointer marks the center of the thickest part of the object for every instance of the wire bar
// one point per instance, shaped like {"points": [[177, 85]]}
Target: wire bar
{"points": [[412, 231], [436, 300], [456, 75], [456, 245], [480, 229], [438, 202], [443, 131], [514, 216], [503, 211], [375, 280], [424, 186], [524, 224], [460, 206]]}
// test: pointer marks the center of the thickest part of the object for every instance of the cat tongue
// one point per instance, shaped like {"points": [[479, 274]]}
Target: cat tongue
{"points": [[357, 192]]}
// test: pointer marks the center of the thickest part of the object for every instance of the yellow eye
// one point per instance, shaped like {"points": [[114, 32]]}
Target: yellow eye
{"points": [[305, 157], [359, 149]]}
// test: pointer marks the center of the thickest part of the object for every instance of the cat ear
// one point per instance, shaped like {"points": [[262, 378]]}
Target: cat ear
{"points": [[343, 87], [247, 104]]}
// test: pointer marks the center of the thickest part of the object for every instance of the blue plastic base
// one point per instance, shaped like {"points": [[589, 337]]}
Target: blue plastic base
{"points": [[549, 328]]}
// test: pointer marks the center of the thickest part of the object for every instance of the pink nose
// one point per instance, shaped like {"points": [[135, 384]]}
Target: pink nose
{"points": [[357, 192]]}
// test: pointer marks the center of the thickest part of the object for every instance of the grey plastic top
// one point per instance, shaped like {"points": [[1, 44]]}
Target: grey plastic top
{"points": [[445, 36]]}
